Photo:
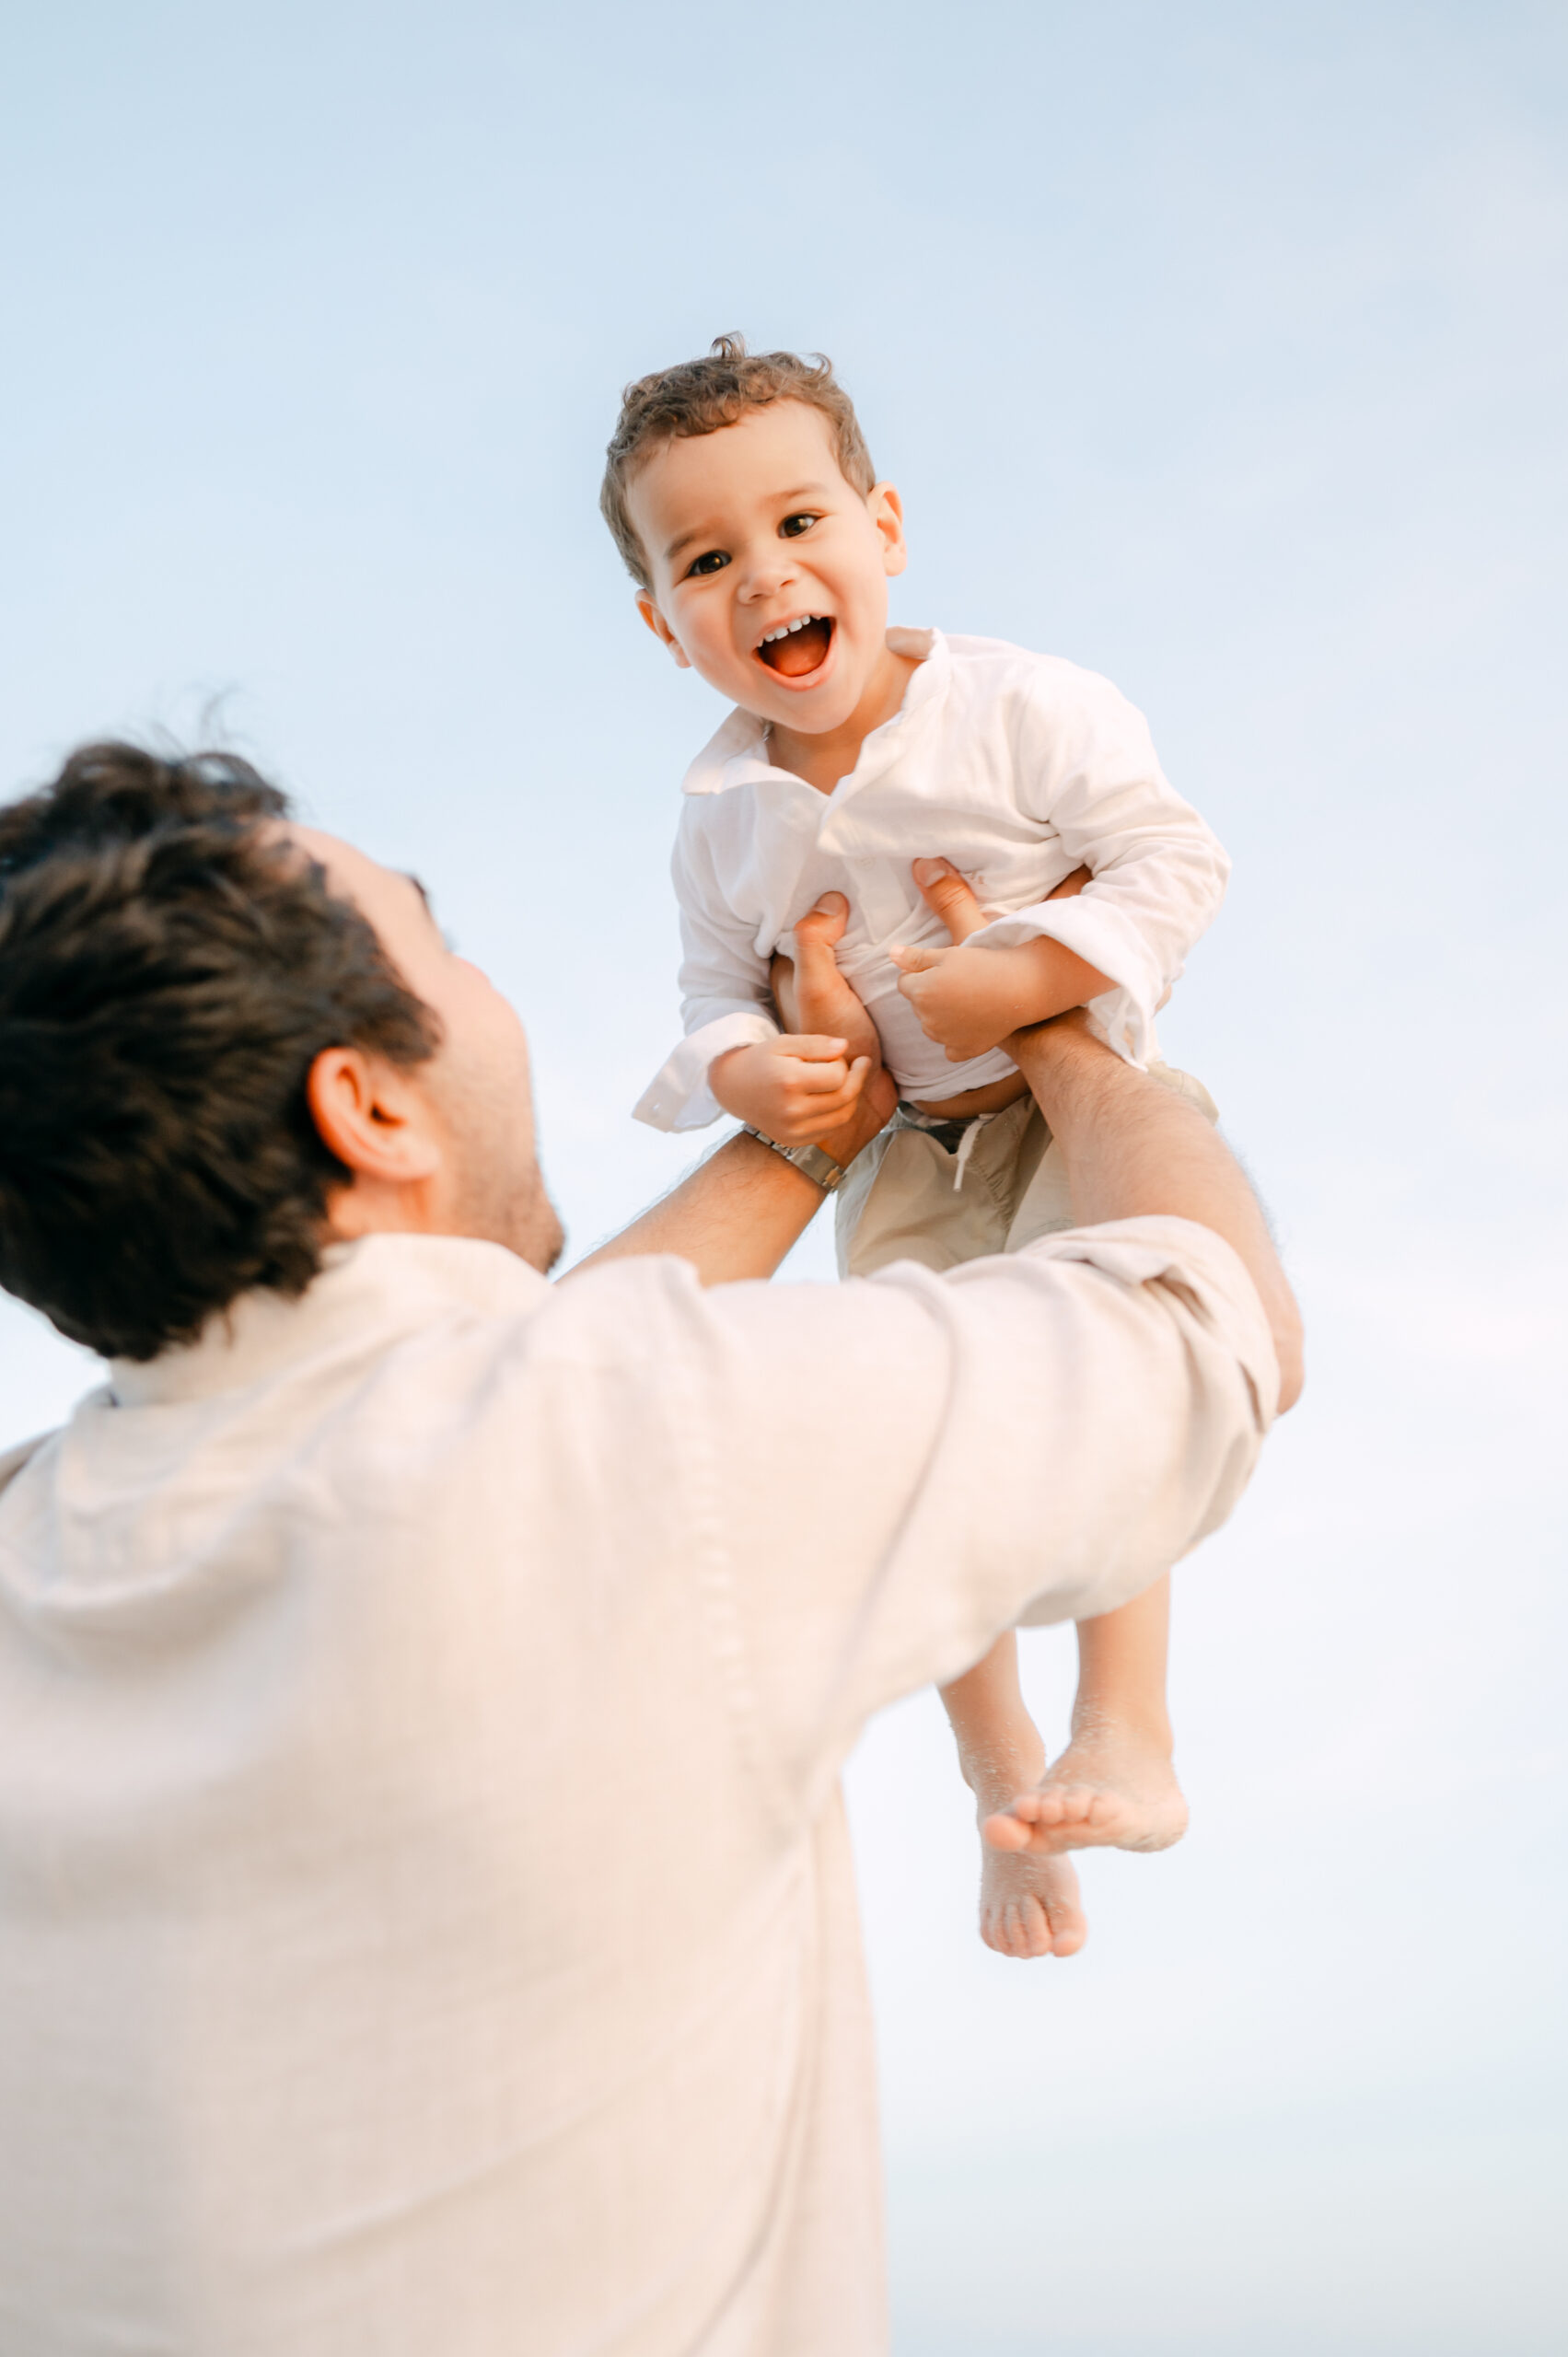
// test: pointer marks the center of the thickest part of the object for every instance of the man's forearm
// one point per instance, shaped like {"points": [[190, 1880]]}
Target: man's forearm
{"points": [[1135, 1149], [736, 1216]]}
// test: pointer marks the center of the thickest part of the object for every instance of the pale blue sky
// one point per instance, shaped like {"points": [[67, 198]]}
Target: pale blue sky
{"points": [[1221, 349]]}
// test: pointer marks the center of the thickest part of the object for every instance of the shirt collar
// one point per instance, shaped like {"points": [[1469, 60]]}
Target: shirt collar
{"points": [[736, 753], [364, 1294]]}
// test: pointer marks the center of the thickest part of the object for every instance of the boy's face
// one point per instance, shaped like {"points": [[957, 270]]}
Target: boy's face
{"points": [[753, 529]]}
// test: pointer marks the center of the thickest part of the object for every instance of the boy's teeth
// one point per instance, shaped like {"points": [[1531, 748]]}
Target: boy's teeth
{"points": [[785, 629]]}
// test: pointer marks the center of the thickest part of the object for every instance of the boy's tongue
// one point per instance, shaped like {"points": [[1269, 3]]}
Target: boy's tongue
{"points": [[800, 652]]}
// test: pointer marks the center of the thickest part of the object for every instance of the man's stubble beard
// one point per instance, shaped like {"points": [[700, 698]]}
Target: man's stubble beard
{"points": [[499, 1194]]}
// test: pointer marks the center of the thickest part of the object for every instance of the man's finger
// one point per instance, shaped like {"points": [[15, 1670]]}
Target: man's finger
{"points": [[945, 893], [823, 925]]}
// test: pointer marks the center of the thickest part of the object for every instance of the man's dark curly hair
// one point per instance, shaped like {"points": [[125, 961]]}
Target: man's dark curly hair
{"points": [[170, 969]]}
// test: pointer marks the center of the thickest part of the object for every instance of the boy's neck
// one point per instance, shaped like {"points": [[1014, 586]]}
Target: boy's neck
{"points": [[823, 761]]}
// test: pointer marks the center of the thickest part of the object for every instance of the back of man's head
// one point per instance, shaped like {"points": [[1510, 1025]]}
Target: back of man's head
{"points": [[170, 967]]}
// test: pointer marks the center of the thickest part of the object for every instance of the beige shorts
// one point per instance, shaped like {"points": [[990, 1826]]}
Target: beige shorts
{"points": [[940, 1192]]}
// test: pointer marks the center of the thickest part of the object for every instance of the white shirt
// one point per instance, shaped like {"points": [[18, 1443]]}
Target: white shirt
{"points": [[1016, 767], [426, 1928]]}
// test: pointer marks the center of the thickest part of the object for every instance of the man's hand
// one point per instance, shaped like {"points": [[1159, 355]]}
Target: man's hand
{"points": [[970, 1000], [815, 997], [823, 1086]]}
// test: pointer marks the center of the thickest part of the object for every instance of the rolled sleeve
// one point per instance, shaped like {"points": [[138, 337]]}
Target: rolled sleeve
{"points": [[726, 993], [678, 1096], [1087, 767], [1110, 938], [905, 1465]]}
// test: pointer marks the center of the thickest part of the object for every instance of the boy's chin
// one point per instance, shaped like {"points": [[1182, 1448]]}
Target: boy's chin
{"points": [[809, 711], [810, 715]]}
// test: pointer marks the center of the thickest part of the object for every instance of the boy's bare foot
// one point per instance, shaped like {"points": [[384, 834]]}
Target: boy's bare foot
{"points": [[1028, 1906], [1114, 1788]]}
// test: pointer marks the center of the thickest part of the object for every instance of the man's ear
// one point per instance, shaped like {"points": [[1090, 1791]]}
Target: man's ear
{"points": [[372, 1116], [661, 630], [886, 511]]}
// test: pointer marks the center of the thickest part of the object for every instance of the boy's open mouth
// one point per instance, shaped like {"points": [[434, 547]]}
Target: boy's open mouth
{"points": [[798, 647]]}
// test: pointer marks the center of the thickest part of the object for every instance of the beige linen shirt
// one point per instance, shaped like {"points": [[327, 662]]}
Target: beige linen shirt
{"points": [[1019, 768], [427, 1926]]}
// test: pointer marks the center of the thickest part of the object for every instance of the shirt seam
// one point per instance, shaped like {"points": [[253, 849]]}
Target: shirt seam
{"points": [[725, 1626]]}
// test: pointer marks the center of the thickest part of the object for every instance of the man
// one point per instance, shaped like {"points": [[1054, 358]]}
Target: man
{"points": [[425, 1918]]}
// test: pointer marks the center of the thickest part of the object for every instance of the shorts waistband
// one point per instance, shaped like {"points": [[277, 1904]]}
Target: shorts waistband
{"points": [[950, 1134]]}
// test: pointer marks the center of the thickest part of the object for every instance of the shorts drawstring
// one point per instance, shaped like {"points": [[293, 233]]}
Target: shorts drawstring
{"points": [[960, 1145], [967, 1146]]}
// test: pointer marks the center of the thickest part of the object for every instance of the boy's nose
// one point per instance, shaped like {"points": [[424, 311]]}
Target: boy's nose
{"points": [[764, 575]]}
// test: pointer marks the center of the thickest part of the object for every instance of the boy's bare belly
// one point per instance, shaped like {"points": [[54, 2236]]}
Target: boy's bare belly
{"points": [[974, 1100]]}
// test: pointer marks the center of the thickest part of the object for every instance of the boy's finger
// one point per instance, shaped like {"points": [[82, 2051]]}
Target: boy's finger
{"points": [[945, 893], [846, 1094], [826, 1119], [813, 1047], [822, 1080], [915, 961]]}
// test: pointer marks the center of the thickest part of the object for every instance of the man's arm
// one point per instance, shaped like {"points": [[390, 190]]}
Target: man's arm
{"points": [[735, 1216], [1133, 1149]]}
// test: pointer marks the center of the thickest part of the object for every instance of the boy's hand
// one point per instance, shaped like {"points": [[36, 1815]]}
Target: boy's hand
{"points": [[968, 1001], [797, 1089]]}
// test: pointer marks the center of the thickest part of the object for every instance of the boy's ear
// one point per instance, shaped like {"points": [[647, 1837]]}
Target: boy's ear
{"points": [[886, 511], [661, 630]]}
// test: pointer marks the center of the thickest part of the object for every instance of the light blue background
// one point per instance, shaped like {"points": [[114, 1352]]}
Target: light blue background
{"points": [[1219, 348]]}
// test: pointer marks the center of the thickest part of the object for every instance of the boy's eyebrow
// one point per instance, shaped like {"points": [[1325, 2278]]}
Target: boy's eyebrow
{"points": [[429, 905], [706, 532]]}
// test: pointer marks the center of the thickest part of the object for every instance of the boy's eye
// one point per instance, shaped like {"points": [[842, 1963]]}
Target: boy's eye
{"points": [[793, 525], [711, 561]]}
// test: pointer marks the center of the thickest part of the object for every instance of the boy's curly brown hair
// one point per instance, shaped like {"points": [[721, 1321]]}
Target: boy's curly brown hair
{"points": [[700, 396]]}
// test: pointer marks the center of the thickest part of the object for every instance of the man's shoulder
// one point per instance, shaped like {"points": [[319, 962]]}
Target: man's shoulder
{"points": [[12, 1461]]}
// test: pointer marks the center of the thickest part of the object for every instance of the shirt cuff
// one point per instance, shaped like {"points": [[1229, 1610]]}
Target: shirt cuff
{"points": [[1102, 936], [679, 1097]]}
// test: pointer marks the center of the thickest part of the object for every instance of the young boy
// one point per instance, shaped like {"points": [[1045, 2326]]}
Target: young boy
{"points": [[864, 773]]}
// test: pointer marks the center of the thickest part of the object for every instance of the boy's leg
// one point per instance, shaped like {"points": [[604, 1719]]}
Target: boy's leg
{"points": [[904, 1204], [1029, 1904], [1114, 1786]]}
